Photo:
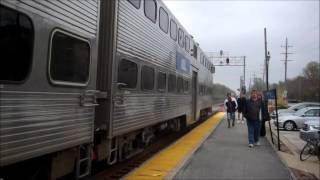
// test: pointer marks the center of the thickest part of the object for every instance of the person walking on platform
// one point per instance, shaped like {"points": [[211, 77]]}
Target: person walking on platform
{"points": [[241, 103], [253, 112], [230, 105]]}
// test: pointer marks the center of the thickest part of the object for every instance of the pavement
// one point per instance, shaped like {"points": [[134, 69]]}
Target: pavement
{"points": [[165, 164], [290, 148], [225, 155]]}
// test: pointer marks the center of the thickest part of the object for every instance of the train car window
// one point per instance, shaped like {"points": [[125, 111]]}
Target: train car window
{"points": [[172, 83], [70, 59], [173, 30], [181, 37], [186, 86], [135, 3], [180, 84], [163, 20], [150, 10], [209, 90], [195, 51], [201, 92], [128, 73], [147, 78], [16, 45], [161, 81], [187, 46]]}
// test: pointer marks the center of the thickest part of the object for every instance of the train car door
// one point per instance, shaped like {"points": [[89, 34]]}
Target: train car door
{"points": [[105, 72], [194, 94]]}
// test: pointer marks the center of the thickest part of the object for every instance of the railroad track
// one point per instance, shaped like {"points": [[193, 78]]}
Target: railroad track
{"points": [[119, 170]]}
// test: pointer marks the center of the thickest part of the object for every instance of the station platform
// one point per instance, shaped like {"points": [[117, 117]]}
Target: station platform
{"points": [[213, 151]]}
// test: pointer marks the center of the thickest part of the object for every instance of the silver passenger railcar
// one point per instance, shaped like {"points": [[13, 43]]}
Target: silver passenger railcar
{"points": [[84, 81], [48, 80]]}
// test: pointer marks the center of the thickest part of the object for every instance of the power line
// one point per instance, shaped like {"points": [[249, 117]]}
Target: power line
{"points": [[286, 59]]}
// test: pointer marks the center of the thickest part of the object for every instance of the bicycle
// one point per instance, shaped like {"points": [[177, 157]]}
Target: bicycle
{"points": [[313, 144]]}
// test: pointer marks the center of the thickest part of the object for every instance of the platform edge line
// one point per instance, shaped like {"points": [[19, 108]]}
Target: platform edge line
{"points": [[182, 162], [187, 158]]}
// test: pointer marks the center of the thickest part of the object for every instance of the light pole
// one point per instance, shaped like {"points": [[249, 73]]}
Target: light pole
{"points": [[267, 70], [244, 75], [267, 59]]}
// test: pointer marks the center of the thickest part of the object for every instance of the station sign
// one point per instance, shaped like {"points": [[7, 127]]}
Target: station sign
{"points": [[270, 95]]}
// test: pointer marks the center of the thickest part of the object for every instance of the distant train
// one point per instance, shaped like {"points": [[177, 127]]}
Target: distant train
{"points": [[84, 81]]}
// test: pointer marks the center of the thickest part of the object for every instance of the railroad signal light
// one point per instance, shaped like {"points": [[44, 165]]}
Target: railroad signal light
{"points": [[227, 60], [213, 69]]}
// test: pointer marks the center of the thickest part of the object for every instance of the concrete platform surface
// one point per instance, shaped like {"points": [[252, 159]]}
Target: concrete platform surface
{"points": [[226, 155], [166, 163]]}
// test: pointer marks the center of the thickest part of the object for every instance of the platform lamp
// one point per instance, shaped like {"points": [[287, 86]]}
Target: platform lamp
{"points": [[267, 69]]}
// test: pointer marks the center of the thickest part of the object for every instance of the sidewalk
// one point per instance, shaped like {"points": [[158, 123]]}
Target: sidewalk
{"points": [[291, 145], [226, 155]]}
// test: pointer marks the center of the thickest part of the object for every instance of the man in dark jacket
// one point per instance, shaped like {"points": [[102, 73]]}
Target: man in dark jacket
{"points": [[230, 105], [254, 112], [241, 103]]}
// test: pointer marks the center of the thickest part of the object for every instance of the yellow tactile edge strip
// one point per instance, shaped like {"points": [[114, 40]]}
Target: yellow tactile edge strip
{"points": [[166, 163]]}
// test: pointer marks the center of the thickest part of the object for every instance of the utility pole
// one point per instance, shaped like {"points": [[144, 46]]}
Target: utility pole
{"points": [[267, 58], [263, 72], [286, 60]]}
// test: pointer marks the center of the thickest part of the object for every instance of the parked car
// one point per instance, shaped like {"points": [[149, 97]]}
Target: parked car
{"points": [[310, 133], [311, 125], [294, 109], [296, 120]]}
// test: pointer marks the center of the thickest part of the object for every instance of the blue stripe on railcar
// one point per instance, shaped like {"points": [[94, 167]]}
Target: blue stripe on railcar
{"points": [[182, 63]]}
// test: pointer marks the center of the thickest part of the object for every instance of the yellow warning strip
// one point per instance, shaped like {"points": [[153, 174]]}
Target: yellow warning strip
{"points": [[163, 165]]}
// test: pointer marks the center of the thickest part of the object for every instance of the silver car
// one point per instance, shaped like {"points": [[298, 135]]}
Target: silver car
{"points": [[296, 120], [311, 125], [293, 109], [310, 130]]}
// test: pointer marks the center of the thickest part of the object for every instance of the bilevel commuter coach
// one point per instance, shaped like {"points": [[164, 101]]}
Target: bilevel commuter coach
{"points": [[90, 80]]}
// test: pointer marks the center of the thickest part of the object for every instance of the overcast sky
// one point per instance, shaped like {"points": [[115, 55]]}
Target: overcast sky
{"points": [[237, 27]]}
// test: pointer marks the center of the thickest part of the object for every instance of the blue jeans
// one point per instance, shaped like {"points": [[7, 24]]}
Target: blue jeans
{"points": [[231, 116], [253, 130]]}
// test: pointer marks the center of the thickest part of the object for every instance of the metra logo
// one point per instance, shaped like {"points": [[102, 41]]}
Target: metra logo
{"points": [[182, 63]]}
